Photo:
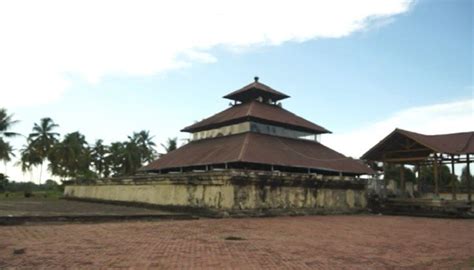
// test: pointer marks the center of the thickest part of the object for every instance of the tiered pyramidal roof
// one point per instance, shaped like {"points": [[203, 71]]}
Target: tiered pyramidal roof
{"points": [[256, 133]]}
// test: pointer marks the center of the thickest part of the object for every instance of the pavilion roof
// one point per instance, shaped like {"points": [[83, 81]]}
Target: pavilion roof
{"points": [[260, 112], [254, 90], [422, 145], [259, 149]]}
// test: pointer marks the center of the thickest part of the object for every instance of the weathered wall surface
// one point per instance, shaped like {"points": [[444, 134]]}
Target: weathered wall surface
{"points": [[446, 196], [230, 191]]}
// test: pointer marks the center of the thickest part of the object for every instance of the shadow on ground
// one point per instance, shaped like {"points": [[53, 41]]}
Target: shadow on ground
{"points": [[24, 210]]}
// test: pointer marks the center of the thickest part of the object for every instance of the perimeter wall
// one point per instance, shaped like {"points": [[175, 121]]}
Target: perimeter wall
{"points": [[230, 191]]}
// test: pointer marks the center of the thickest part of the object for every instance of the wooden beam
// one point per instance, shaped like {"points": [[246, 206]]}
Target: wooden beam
{"points": [[410, 150], [399, 160], [412, 144]]}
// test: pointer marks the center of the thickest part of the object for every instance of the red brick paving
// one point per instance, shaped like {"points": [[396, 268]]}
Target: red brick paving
{"points": [[316, 242]]}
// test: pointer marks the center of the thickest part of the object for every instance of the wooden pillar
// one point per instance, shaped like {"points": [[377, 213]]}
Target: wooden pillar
{"points": [[417, 173], [468, 171], [435, 172], [384, 179], [417, 177], [453, 180], [421, 179], [402, 179]]}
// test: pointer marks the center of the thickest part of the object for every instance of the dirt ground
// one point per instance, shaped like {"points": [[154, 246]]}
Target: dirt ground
{"points": [[315, 242], [59, 207]]}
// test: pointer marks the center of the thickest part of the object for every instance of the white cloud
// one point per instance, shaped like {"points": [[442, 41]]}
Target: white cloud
{"points": [[43, 41], [434, 119]]}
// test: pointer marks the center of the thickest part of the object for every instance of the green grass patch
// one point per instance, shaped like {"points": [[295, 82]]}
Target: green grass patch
{"points": [[47, 195]]}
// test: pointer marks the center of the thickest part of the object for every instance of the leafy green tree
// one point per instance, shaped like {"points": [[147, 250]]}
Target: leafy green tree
{"points": [[464, 177], [116, 158], [42, 140], [51, 185], [71, 157], [3, 182], [392, 172], [444, 175]]}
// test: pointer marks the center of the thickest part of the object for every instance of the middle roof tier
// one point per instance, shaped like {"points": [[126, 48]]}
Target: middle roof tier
{"points": [[259, 112]]}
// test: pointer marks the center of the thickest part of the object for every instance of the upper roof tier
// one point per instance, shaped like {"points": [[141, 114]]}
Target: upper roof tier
{"points": [[255, 90], [259, 112]]}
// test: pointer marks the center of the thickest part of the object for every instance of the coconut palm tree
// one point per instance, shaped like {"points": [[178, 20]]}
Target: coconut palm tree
{"points": [[171, 144], [71, 157], [3, 182], [42, 139], [99, 153], [132, 157], [6, 152], [6, 122], [116, 158], [29, 158], [125, 157], [146, 146]]}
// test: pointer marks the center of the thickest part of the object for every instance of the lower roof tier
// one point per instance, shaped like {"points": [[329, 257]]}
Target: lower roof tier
{"points": [[261, 149]]}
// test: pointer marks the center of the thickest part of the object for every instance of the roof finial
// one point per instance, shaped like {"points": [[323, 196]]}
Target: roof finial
{"points": [[256, 78]]}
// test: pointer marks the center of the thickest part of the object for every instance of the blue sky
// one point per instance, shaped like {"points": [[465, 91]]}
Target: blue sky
{"points": [[412, 61]]}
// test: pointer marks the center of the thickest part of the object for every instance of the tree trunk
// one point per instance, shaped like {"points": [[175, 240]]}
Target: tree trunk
{"points": [[41, 172]]}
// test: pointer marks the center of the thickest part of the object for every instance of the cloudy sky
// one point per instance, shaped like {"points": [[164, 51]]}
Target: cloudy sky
{"points": [[358, 68]]}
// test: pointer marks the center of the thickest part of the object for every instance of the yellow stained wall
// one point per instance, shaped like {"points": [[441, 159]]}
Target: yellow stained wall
{"points": [[223, 196]]}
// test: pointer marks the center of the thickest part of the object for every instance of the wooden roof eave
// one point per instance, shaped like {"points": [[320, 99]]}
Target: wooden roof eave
{"points": [[433, 148], [190, 129], [367, 154]]}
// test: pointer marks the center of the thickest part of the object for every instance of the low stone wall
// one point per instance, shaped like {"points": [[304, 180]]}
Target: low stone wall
{"points": [[230, 191], [446, 196]]}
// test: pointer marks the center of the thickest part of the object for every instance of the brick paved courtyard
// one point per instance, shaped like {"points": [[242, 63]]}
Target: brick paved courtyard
{"points": [[328, 242]]}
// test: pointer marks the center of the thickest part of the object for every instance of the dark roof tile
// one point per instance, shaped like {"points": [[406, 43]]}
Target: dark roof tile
{"points": [[261, 149], [454, 143], [254, 90], [258, 111]]}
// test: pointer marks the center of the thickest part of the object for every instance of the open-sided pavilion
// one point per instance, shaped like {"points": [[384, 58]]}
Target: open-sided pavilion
{"points": [[409, 148]]}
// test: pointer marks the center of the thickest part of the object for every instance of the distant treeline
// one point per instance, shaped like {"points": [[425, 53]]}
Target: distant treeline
{"points": [[426, 175], [71, 156], [28, 187]]}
